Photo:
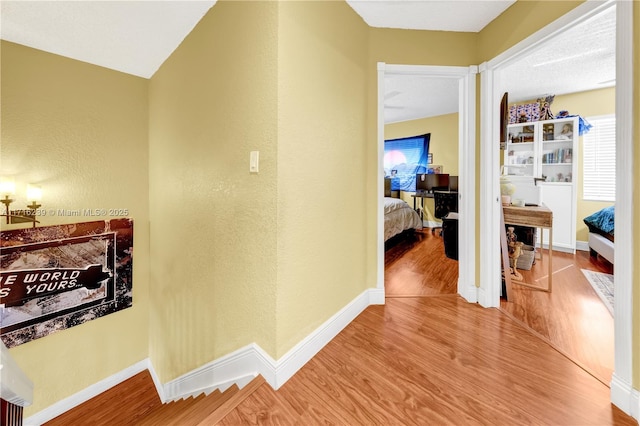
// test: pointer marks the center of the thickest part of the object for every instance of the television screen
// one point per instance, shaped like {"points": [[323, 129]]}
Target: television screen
{"points": [[403, 159]]}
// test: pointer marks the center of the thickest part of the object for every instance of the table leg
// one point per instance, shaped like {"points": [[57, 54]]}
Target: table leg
{"points": [[550, 257]]}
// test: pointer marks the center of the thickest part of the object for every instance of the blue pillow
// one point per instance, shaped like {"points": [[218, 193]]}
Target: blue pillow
{"points": [[602, 220]]}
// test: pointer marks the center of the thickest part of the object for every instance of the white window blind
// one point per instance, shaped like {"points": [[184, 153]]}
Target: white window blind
{"points": [[599, 158]]}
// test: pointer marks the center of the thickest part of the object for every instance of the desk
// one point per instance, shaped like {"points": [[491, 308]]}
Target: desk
{"points": [[422, 196], [535, 217]]}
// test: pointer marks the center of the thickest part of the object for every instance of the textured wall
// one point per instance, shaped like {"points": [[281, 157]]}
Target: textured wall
{"points": [[80, 131], [213, 223], [322, 141]]}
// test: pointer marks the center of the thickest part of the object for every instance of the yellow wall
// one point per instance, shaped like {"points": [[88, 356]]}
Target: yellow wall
{"points": [[213, 224], [443, 145], [322, 167], [585, 104], [80, 131]]}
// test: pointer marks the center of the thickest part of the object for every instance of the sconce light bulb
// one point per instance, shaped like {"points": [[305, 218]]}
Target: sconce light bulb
{"points": [[7, 186], [34, 193]]}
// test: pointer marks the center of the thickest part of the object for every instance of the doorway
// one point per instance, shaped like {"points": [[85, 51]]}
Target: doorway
{"points": [[465, 78], [621, 384]]}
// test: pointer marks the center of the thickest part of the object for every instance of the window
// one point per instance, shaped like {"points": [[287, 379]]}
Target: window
{"points": [[599, 159]]}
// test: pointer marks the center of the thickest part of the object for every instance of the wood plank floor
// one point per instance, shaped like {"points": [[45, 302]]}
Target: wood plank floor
{"points": [[434, 360], [125, 404], [428, 357], [425, 357], [415, 265], [572, 318]]}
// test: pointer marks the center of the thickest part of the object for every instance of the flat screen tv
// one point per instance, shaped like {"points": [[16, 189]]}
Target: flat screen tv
{"points": [[404, 158]]}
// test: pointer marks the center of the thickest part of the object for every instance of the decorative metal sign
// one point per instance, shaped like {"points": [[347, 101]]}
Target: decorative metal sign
{"points": [[56, 277]]}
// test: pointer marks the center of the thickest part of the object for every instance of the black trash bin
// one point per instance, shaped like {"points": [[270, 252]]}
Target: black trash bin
{"points": [[450, 235]]}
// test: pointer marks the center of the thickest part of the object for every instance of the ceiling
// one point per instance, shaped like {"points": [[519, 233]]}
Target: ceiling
{"points": [[580, 59], [136, 37]]}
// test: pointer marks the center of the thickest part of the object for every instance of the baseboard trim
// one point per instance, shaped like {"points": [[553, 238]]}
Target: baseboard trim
{"points": [[252, 359], [84, 395], [238, 367], [582, 245], [221, 373], [431, 224], [483, 298], [468, 291], [625, 397], [300, 354]]}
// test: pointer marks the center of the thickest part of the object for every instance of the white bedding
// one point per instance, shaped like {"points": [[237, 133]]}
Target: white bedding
{"points": [[398, 217]]}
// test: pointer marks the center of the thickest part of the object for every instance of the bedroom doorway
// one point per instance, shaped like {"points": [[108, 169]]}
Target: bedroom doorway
{"points": [[492, 87], [464, 78]]}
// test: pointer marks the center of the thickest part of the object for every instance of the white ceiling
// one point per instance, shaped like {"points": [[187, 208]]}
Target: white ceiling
{"points": [[437, 15], [136, 37]]}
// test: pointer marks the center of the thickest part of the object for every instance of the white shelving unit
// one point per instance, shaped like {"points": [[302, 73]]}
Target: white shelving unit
{"points": [[546, 150]]}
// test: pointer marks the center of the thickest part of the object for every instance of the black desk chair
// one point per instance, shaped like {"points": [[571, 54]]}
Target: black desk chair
{"points": [[446, 209]]}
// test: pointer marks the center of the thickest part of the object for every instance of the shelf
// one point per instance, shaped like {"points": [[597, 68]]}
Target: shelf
{"points": [[519, 143], [558, 183], [557, 164]]}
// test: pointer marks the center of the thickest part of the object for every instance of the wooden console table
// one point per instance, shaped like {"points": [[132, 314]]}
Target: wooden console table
{"points": [[535, 217]]}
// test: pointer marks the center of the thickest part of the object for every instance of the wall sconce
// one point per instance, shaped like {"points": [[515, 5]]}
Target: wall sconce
{"points": [[34, 194]]}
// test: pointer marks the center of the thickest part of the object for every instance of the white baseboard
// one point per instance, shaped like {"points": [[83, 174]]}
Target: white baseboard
{"points": [[625, 397], [468, 292], [300, 354], [238, 367], [582, 245], [376, 296], [484, 300], [221, 373], [84, 395], [431, 224]]}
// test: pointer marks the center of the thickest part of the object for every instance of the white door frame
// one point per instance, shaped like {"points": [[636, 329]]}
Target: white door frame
{"points": [[466, 77], [622, 393]]}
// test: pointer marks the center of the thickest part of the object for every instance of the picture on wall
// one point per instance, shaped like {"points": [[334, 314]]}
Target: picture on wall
{"points": [[56, 277]]}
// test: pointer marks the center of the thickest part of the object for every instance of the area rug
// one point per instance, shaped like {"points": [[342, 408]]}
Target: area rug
{"points": [[603, 285]]}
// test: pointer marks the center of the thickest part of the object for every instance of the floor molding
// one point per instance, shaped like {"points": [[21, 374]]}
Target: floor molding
{"points": [[237, 367], [625, 397], [86, 394]]}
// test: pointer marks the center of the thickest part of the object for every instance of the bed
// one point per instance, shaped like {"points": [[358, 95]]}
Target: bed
{"points": [[601, 232], [398, 215]]}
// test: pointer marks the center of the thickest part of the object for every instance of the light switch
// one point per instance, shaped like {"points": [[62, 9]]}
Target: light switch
{"points": [[254, 160]]}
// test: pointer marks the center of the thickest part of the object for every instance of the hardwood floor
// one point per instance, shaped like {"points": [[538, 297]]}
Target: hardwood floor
{"points": [[125, 404], [434, 360], [572, 317], [421, 359], [415, 265], [425, 357]]}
